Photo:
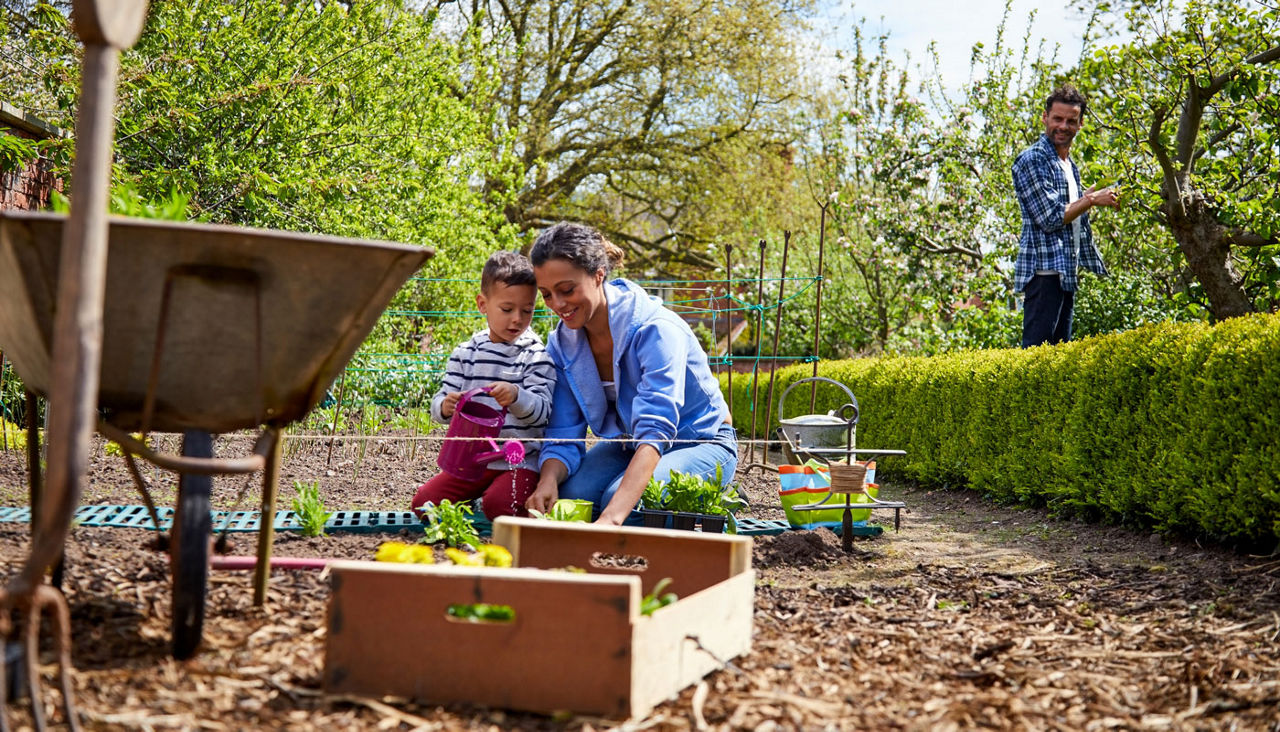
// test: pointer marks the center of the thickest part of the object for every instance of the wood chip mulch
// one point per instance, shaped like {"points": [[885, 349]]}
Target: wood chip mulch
{"points": [[973, 616]]}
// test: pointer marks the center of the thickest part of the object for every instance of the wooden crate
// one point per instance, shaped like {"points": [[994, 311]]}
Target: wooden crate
{"points": [[578, 641]]}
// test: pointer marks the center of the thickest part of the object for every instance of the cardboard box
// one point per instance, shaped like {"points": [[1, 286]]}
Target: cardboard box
{"points": [[577, 642]]}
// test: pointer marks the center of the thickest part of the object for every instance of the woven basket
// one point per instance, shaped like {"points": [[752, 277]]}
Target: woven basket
{"points": [[848, 478]]}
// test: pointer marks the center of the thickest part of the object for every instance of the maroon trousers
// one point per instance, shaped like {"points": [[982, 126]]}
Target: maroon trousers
{"points": [[504, 491]]}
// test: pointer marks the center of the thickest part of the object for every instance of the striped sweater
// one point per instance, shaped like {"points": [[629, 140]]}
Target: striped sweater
{"points": [[525, 363]]}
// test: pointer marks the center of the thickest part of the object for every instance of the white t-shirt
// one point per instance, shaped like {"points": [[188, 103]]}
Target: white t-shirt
{"points": [[1073, 193]]}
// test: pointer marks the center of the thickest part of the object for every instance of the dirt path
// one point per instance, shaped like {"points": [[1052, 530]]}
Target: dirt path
{"points": [[973, 615]]}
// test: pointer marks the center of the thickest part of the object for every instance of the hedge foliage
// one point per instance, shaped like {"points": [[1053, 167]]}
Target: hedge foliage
{"points": [[1171, 427]]}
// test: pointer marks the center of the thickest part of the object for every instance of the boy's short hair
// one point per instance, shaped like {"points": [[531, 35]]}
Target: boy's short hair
{"points": [[509, 268]]}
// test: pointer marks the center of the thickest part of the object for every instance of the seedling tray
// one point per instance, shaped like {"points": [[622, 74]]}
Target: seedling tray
{"points": [[577, 641]]}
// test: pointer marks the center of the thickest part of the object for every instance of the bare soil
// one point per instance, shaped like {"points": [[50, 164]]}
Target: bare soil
{"points": [[973, 616]]}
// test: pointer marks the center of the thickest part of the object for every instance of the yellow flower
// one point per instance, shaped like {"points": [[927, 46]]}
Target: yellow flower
{"points": [[398, 551], [495, 555], [464, 559]]}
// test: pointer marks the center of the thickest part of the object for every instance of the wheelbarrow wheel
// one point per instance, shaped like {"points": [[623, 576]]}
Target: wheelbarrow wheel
{"points": [[189, 548]]}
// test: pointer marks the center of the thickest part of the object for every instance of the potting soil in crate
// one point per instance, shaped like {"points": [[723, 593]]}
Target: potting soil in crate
{"points": [[570, 641]]}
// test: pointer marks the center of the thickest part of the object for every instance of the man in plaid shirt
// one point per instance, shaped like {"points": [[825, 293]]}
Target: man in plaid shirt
{"points": [[1056, 237]]}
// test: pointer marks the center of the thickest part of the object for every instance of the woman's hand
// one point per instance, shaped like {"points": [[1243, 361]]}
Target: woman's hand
{"points": [[612, 518], [544, 496], [636, 477]]}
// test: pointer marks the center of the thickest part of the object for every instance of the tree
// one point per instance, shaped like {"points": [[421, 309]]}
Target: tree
{"points": [[920, 200], [1191, 108], [616, 110], [318, 117]]}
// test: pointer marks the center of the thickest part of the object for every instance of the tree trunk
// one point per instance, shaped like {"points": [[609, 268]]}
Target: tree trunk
{"points": [[1203, 242]]}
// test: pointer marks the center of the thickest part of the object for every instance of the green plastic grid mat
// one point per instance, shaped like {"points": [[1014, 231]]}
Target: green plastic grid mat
{"points": [[138, 517], [368, 522]]}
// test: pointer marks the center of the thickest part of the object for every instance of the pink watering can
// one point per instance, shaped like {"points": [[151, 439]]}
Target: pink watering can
{"points": [[479, 424]]}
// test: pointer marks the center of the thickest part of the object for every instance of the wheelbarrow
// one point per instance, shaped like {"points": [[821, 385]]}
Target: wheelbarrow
{"points": [[206, 329], [829, 438]]}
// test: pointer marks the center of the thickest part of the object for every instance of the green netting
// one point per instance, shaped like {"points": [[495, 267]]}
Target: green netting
{"points": [[406, 380]]}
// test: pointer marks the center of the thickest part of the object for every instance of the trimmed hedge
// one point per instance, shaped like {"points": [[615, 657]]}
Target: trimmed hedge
{"points": [[1172, 427]]}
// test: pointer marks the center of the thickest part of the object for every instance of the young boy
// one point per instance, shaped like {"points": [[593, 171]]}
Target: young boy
{"points": [[508, 358]]}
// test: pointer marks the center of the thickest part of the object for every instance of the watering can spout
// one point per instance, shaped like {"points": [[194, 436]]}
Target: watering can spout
{"points": [[512, 452]]}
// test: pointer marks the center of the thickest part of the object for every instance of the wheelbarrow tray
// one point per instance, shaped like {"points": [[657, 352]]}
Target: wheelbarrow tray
{"points": [[256, 323]]}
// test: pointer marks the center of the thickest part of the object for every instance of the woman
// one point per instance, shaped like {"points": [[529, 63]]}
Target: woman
{"points": [[629, 369]]}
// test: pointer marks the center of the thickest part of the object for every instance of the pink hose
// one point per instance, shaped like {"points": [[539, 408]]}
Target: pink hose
{"points": [[238, 562]]}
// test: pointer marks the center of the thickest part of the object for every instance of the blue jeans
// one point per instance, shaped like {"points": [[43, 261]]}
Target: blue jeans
{"points": [[1046, 311], [600, 474]]}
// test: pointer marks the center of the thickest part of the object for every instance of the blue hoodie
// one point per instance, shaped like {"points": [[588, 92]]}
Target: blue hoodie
{"points": [[666, 391]]}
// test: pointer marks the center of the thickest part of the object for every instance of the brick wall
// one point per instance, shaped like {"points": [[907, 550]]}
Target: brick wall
{"points": [[29, 188]]}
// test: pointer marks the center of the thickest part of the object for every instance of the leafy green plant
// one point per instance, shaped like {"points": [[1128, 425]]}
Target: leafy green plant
{"points": [[695, 494], [654, 497], [16, 152], [482, 612], [657, 599], [126, 200], [413, 419], [449, 522], [309, 507], [565, 509]]}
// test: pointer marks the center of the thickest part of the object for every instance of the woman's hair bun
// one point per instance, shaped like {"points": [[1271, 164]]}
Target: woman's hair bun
{"points": [[615, 254]]}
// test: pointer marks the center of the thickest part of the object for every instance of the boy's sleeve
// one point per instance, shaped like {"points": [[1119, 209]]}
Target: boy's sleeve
{"points": [[533, 400], [454, 375], [1033, 181], [568, 423]]}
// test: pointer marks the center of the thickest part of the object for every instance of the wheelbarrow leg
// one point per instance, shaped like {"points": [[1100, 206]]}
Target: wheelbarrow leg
{"points": [[189, 548], [266, 526]]}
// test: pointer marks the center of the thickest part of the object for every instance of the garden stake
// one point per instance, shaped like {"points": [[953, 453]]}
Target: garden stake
{"points": [[755, 366], [337, 415], [4, 433], [817, 309], [728, 339], [777, 331]]}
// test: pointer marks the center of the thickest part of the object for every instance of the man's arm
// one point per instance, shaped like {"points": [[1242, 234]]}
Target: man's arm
{"points": [[1035, 184], [1105, 197]]}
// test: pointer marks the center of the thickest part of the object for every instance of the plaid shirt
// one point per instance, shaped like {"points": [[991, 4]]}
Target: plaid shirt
{"points": [[1046, 242]]}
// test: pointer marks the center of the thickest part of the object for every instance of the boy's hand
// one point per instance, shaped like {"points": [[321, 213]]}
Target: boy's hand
{"points": [[503, 393], [450, 404]]}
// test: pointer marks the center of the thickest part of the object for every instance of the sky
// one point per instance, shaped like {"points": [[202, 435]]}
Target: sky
{"points": [[956, 25]]}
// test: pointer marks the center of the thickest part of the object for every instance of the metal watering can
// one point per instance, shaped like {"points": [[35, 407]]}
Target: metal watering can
{"points": [[833, 430], [476, 425]]}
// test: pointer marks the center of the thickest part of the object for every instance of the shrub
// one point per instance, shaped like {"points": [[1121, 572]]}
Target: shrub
{"points": [[1171, 427]]}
